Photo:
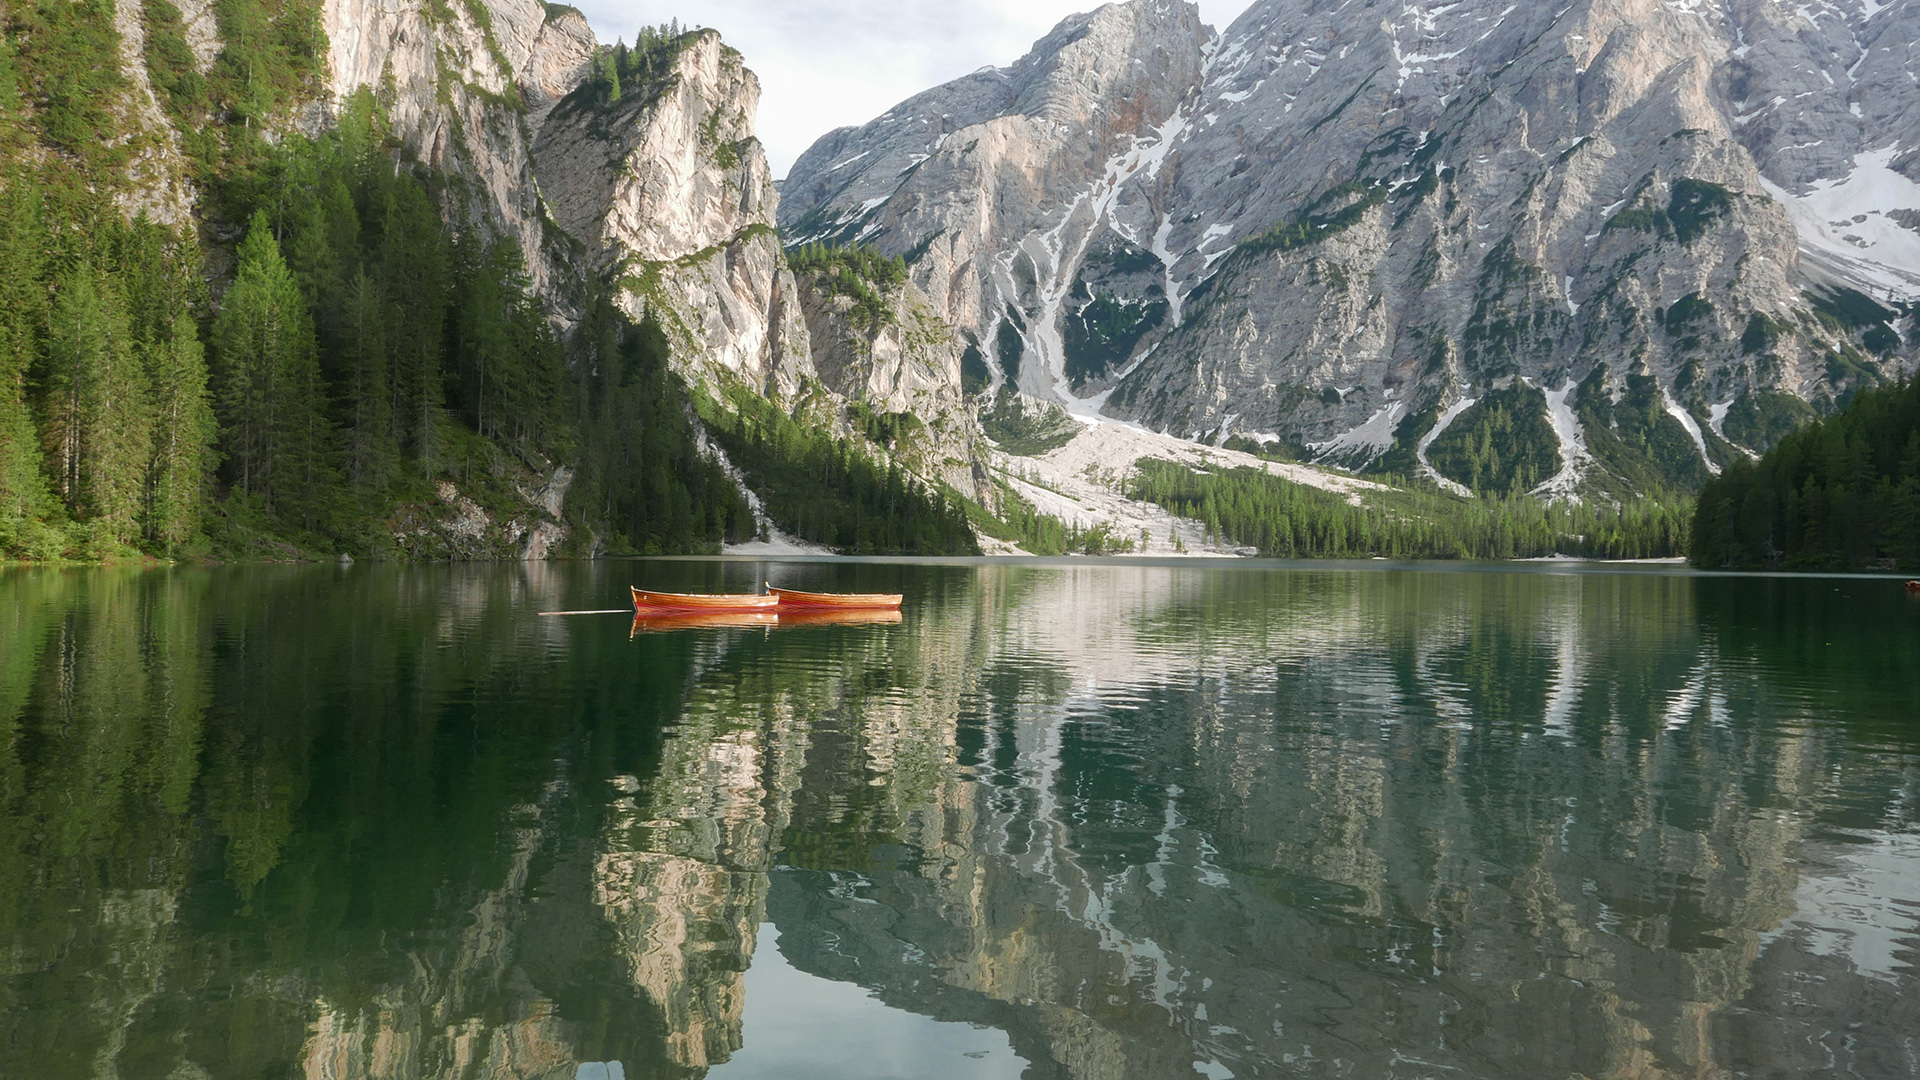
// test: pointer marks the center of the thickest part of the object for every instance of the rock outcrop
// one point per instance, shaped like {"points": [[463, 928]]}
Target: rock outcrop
{"points": [[464, 86], [899, 366], [1340, 230], [669, 192]]}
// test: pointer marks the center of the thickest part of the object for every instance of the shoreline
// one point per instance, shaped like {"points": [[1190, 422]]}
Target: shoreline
{"points": [[1673, 567]]}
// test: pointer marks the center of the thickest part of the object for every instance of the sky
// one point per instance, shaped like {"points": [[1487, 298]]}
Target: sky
{"points": [[825, 64]]}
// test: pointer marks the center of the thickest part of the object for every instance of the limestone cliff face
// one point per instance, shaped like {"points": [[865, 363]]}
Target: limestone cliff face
{"points": [[465, 86], [1464, 199], [902, 363], [1340, 227], [159, 170], [990, 181], [669, 191]]}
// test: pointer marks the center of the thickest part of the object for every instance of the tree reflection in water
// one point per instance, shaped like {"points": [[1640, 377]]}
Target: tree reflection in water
{"points": [[1143, 821]]}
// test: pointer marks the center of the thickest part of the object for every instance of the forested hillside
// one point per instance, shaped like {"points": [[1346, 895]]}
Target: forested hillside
{"points": [[362, 349], [1842, 494], [1281, 519], [321, 352]]}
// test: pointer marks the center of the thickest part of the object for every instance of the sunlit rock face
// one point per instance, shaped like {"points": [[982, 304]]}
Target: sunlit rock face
{"points": [[452, 87], [976, 178], [1328, 225], [668, 190]]}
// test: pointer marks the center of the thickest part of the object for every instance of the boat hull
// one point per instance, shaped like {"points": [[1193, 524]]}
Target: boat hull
{"points": [[647, 602], [793, 598]]}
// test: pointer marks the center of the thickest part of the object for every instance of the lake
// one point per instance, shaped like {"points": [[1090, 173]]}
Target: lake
{"points": [[1094, 819]]}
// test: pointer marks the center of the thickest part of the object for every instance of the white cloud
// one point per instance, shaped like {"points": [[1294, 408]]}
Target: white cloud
{"points": [[830, 63]]}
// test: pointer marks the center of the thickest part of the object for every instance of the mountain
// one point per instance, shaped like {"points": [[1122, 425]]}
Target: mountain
{"points": [[1597, 249], [322, 277]]}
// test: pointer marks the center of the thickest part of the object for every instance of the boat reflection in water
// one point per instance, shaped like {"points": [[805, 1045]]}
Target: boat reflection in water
{"points": [[829, 617], [743, 620], [690, 620]]}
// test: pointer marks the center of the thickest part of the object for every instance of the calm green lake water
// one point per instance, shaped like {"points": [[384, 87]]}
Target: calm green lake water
{"points": [[1101, 820]]}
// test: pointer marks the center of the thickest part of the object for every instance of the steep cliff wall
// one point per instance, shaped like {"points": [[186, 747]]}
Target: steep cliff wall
{"points": [[669, 192], [898, 365], [1438, 205], [465, 85], [991, 183]]}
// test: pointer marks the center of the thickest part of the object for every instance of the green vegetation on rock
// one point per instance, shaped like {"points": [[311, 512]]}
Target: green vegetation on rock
{"points": [[1334, 212], [1502, 446], [1024, 427], [621, 72], [974, 376], [1010, 345], [828, 489], [1692, 207], [1514, 314], [1635, 440], [1759, 419], [858, 272], [1401, 460], [1101, 333]]}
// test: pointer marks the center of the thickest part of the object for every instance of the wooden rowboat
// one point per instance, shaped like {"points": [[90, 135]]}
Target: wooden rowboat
{"points": [[648, 602], [794, 598]]}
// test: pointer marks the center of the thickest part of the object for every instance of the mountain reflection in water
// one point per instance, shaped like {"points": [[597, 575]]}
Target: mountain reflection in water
{"points": [[1099, 820]]}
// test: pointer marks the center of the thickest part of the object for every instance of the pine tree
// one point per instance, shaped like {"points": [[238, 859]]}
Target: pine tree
{"points": [[183, 437], [413, 270], [270, 397], [24, 496], [371, 454], [98, 423]]}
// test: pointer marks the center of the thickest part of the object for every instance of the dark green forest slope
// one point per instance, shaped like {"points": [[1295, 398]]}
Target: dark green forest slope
{"points": [[1282, 519], [1842, 494]]}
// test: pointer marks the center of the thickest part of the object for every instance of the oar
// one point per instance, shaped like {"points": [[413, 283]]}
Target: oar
{"points": [[609, 611]]}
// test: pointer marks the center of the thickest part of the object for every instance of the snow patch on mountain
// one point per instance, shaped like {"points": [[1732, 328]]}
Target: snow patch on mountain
{"points": [[1845, 227], [1575, 458], [1693, 428], [1369, 440]]}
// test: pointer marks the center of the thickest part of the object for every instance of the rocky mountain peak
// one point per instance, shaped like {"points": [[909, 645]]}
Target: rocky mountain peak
{"points": [[961, 175]]}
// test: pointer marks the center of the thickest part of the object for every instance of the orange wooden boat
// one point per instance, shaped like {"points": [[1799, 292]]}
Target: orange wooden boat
{"points": [[693, 620], [790, 617], [650, 602], [794, 598]]}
